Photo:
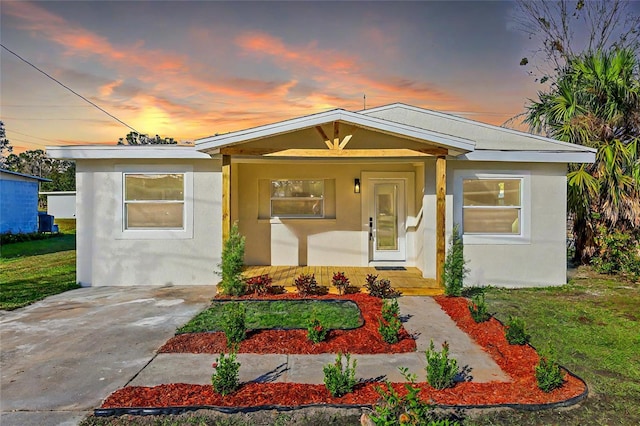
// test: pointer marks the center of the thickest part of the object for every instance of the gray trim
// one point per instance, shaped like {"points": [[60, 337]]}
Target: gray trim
{"points": [[531, 156], [98, 152]]}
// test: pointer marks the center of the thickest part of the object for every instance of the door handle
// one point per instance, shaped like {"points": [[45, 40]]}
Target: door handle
{"points": [[370, 229]]}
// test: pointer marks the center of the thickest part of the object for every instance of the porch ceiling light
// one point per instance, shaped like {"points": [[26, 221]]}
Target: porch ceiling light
{"points": [[356, 186]]}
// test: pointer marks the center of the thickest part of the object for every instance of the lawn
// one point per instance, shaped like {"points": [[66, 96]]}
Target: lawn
{"points": [[593, 326], [33, 270], [283, 314]]}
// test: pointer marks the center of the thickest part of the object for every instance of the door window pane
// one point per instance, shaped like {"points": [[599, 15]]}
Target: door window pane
{"points": [[386, 216]]}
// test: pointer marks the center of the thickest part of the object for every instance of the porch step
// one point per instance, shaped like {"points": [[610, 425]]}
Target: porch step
{"points": [[406, 291]]}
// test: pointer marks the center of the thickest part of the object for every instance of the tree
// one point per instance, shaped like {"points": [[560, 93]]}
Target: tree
{"points": [[595, 101], [564, 29], [37, 163], [5, 145], [135, 138]]}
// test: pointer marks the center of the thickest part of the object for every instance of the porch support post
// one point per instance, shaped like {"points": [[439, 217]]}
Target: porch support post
{"points": [[226, 197], [441, 207]]}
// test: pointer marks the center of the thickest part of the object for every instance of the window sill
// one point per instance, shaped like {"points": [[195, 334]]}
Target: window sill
{"points": [[280, 220], [155, 234], [495, 240]]}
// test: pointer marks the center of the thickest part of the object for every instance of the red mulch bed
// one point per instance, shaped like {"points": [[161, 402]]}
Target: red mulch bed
{"points": [[362, 340], [517, 361]]}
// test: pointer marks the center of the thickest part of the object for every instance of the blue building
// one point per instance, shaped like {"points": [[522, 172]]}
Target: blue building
{"points": [[19, 202]]}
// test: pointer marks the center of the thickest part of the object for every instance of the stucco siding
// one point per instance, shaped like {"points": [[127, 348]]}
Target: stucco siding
{"points": [[540, 261], [337, 239], [18, 205], [106, 256]]}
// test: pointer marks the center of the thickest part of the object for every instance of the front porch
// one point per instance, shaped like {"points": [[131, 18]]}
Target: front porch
{"points": [[410, 281]]}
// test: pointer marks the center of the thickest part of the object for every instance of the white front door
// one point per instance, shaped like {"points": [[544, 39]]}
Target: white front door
{"points": [[387, 219]]}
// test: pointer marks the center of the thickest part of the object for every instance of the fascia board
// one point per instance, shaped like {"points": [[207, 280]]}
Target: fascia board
{"points": [[531, 156], [96, 152]]}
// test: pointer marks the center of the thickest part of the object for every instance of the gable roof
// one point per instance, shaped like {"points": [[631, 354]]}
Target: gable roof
{"points": [[491, 142], [390, 127], [38, 178]]}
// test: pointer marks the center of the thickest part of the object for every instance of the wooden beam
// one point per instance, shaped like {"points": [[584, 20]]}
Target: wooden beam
{"points": [[433, 151], [441, 209], [337, 153], [336, 135], [226, 197], [324, 136], [239, 150]]}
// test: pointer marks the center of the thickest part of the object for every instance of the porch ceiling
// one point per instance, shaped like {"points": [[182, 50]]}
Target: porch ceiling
{"points": [[335, 133]]}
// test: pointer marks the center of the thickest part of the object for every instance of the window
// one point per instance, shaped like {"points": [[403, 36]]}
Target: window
{"points": [[297, 198], [492, 206], [154, 201]]}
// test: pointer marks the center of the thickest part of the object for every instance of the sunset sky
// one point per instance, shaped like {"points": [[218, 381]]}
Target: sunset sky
{"points": [[191, 69]]}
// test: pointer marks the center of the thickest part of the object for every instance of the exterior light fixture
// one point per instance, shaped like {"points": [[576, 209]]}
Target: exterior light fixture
{"points": [[356, 186]]}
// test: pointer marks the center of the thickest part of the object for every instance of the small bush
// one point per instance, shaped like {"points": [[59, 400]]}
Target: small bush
{"points": [[515, 331], [9, 238], [380, 288], [316, 332], [617, 253], [225, 379], [390, 309], [454, 271], [232, 263], [259, 285], [389, 330], [478, 309], [306, 285], [234, 323], [394, 408], [340, 281], [441, 371], [548, 373], [340, 379]]}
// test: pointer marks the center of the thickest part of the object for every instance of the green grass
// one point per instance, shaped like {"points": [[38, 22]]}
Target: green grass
{"points": [[33, 270], [593, 326], [286, 314]]}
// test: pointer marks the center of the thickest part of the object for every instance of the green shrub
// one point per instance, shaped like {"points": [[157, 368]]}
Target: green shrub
{"points": [[515, 331], [390, 309], [10, 238], [340, 281], [441, 370], [389, 330], [478, 309], [316, 332], [548, 373], [225, 379], [306, 285], [340, 379], [232, 263], [617, 253], [380, 288], [454, 271], [396, 409], [259, 285], [234, 325]]}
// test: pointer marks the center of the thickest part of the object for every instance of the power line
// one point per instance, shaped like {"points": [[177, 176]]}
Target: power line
{"points": [[67, 87], [31, 136]]}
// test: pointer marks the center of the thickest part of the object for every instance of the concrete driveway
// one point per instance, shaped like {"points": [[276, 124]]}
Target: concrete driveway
{"points": [[62, 356]]}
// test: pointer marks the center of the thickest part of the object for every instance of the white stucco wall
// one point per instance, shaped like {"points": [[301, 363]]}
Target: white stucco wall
{"points": [[540, 261], [105, 258]]}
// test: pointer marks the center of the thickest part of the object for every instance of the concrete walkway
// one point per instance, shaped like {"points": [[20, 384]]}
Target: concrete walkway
{"points": [[62, 356]]}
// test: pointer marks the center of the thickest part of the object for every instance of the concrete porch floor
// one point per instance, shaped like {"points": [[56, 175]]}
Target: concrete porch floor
{"points": [[410, 281]]}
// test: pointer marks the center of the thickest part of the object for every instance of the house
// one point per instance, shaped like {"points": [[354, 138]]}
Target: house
{"points": [[19, 202], [382, 186], [61, 204]]}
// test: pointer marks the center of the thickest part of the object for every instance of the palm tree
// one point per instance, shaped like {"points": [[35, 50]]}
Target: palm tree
{"points": [[596, 102]]}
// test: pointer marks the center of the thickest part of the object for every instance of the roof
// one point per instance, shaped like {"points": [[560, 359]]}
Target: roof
{"points": [[97, 152], [398, 129], [491, 142], [9, 172]]}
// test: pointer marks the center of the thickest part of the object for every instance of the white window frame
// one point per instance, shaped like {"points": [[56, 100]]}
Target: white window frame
{"points": [[524, 237], [185, 232], [272, 198]]}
